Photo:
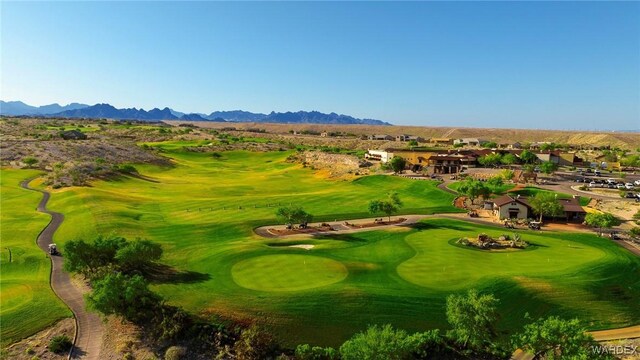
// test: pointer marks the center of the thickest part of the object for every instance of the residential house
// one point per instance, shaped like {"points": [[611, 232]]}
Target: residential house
{"points": [[405, 137], [378, 155], [469, 142], [381, 137], [560, 158]]}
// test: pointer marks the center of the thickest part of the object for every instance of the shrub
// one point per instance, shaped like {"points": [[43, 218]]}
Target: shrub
{"points": [[127, 169], [175, 353], [306, 352], [635, 231], [60, 344], [380, 342]]}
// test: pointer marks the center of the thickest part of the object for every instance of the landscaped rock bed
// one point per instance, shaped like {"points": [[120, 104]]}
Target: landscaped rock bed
{"points": [[307, 230], [486, 242]]}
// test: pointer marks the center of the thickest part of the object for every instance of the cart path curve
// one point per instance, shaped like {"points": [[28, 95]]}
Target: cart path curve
{"points": [[89, 328]]}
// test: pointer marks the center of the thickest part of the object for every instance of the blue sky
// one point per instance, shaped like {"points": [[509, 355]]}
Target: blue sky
{"points": [[554, 65]]}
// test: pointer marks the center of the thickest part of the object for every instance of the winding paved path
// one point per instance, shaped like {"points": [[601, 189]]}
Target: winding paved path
{"points": [[89, 328]]}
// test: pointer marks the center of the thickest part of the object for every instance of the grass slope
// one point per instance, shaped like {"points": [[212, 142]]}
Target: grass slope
{"points": [[27, 303], [203, 211]]}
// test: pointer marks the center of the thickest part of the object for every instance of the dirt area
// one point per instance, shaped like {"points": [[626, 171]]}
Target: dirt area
{"points": [[626, 140], [461, 202], [621, 209], [35, 346], [121, 341], [335, 165]]}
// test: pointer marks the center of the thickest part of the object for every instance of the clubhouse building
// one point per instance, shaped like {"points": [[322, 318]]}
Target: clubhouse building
{"points": [[518, 207]]}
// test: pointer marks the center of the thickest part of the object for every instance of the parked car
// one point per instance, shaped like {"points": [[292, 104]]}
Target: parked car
{"points": [[611, 181], [620, 186], [630, 195], [593, 184], [597, 173], [629, 186], [611, 186], [637, 182]]}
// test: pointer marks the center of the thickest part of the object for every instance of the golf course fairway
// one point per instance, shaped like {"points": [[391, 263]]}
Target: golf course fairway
{"points": [[203, 211]]}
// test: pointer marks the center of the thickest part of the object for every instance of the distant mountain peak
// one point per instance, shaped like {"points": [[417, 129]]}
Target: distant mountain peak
{"points": [[105, 110]]}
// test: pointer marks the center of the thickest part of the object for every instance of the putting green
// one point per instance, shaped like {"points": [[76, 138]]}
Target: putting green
{"points": [[287, 272], [439, 264]]}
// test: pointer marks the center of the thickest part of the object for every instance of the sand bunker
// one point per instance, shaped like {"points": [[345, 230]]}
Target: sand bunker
{"points": [[303, 246]]}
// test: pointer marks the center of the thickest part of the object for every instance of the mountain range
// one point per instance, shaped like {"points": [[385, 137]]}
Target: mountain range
{"points": [[75, 110]]}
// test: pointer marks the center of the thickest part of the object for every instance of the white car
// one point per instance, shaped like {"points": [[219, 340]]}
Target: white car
{"points": [[611, 181], [620, 186], [637, 182], [629, 186], [593, 184]]}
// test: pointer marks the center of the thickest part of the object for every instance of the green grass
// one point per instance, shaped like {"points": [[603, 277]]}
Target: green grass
{"points": [[203, 209], [27, 303]]}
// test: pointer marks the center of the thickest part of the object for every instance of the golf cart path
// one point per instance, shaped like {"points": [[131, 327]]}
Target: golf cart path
{"points": [[89, 328]]}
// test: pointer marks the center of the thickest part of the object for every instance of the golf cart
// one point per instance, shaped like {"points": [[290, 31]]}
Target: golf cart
{"points": [[53, 249], [535, 225]]}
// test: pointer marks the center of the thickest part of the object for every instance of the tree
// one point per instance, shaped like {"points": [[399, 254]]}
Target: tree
{"points": [[507, 174], [495, 182], [546, 204], [293, 214], [490, 145], [380, 343], [389, 206], [473, 188], [398, 164], [472, 317], [413, 143], [555, 338], [548, 167], [548, 147], [80, 257], [528, 157], [509, 159], [601, 221], [119, 294], [631, 161], [490, 160], [30, 161], [138, 255]]}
